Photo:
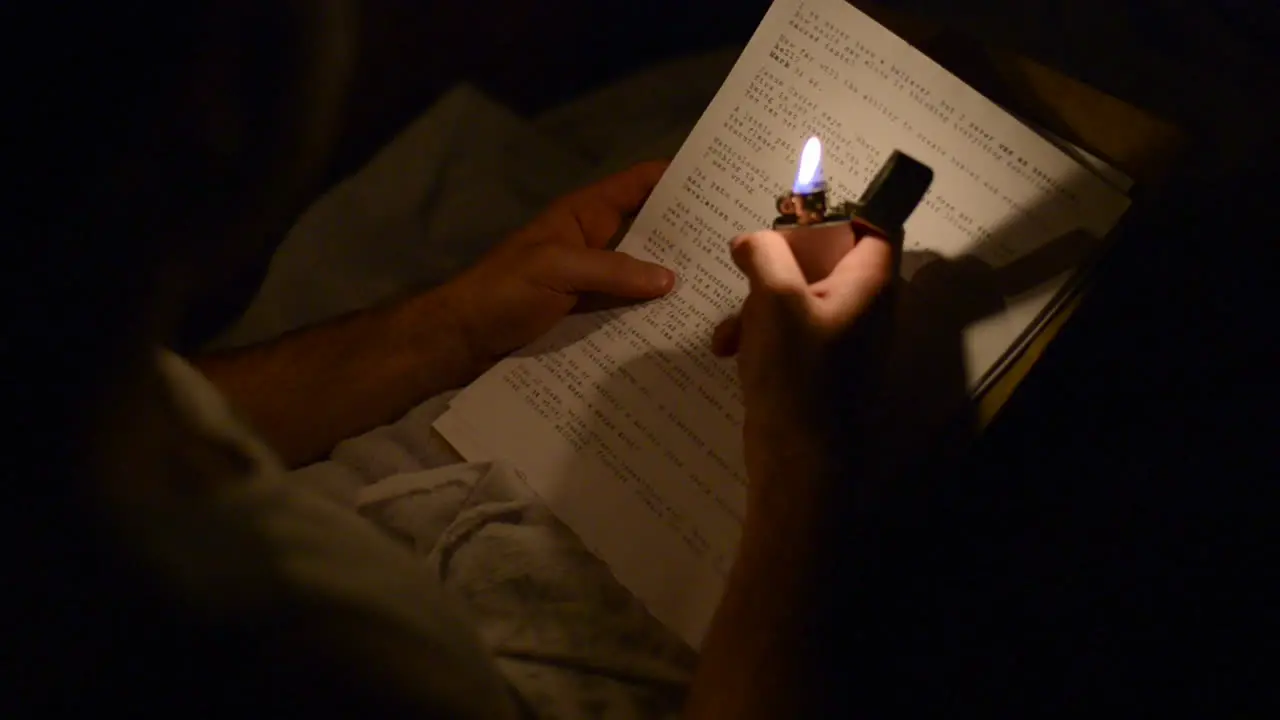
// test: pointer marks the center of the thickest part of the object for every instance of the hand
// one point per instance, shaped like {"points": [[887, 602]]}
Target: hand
{"points": [[522, 287], [803, 349]]}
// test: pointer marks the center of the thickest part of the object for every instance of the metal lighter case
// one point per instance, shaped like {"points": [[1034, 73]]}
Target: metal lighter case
{"points": [[820, 235]]}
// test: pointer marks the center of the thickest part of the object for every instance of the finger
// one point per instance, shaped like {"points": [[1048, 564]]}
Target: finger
{"points": [[600, 208], [724, 341], [625, 192], [856, 281], [580, 270], [767, 261]]}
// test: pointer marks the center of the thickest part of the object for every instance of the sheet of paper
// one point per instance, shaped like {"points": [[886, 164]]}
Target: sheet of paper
{"points": [[624, 423], [1113, 175]]}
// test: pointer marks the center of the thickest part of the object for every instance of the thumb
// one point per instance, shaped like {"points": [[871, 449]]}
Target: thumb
{"points": [[579, 270]]}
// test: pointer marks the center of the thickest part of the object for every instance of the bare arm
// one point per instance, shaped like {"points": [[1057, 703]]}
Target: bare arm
{"points": [[798, 358], [758, 659], [313, 388], [310, 389]]}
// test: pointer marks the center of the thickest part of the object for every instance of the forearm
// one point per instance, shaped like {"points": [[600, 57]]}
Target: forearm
{"points": [[760, 659], [310, 389]]}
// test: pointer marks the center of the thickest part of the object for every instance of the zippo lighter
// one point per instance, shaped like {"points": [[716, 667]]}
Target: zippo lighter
{"points": [[820, 236]]}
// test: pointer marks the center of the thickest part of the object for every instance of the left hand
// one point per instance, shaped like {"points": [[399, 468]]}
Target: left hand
{"points": [[531, 280]]}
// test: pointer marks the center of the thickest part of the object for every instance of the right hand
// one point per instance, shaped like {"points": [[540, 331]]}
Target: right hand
{"points": [[808, 354]]}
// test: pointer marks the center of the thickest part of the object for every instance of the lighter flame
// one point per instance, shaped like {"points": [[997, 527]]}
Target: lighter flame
{"points": [[810, 172]]}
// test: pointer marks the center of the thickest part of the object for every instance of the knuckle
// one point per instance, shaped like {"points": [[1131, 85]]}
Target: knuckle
{"points": [[783, 290], [757, 238], [745, 246], [547, 250], [568, 204], [790, 301], [543, 255], [652, 167]]}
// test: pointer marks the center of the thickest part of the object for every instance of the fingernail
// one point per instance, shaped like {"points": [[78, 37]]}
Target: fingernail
{"points": [[664, 279]]}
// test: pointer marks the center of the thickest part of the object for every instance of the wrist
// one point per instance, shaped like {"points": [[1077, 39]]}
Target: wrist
{"points": [[789, 477], [434, 330], [801, 479]]}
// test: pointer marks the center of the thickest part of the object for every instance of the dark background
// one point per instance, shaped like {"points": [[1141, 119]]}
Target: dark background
{"points": [[1106, 539]]}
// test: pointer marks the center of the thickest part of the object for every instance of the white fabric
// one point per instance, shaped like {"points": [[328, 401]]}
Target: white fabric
{"points": [[246, 547], [492, 588], [566, 636]]}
